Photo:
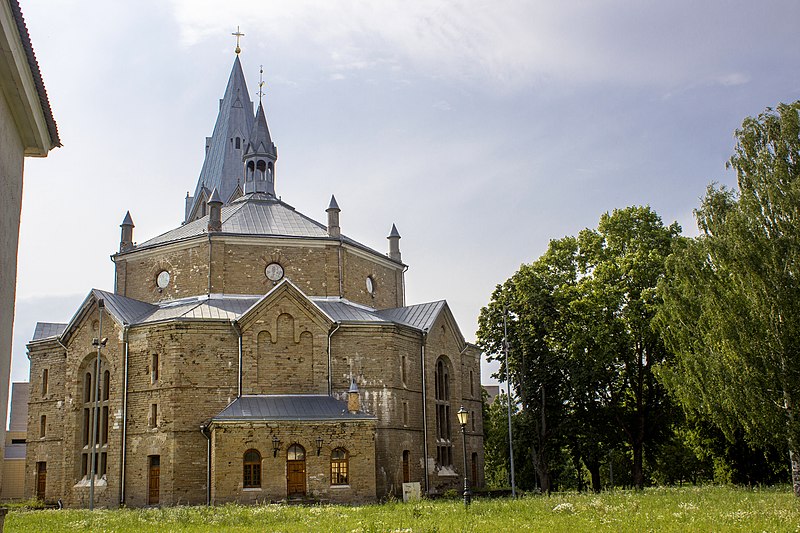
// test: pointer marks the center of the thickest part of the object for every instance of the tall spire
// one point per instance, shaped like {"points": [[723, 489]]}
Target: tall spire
{"points": [[222, 168]]}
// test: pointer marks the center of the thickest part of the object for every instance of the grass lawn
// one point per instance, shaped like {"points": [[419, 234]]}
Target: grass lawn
{"points": [[656, 509]]}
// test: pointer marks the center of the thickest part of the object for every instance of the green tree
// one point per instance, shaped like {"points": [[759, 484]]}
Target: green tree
{"points": [[732, 298], [582, 348], [495, 441]]}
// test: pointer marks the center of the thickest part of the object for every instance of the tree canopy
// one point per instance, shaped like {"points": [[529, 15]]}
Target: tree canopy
{"points": [[582, 348], [731, 311]]}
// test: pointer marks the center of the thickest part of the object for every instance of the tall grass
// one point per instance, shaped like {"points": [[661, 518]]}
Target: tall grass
{"points": [[657, 509]]}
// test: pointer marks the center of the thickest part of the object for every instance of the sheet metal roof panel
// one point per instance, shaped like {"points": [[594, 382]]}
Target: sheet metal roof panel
{"points": [[45, 330], [342, 311], [126, 309], [420, 316], [288, 407]]}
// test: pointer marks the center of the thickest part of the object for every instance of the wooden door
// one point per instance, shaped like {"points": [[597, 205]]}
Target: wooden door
{"points": [[296, 478], [41, 480], [154, 480], [406, 467]]}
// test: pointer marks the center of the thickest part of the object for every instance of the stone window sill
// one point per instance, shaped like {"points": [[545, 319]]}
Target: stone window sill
{"points": [[252, 489], [340, 486]]}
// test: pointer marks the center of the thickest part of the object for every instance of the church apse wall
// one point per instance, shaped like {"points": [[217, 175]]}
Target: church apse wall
{"points": [[186, 265]]}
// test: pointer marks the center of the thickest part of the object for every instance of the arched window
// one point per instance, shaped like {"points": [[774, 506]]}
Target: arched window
{"points": [[295, 453], [339, 467], [95, 423], [251, 167], [251, 478], [238, 143], [444, 448]]}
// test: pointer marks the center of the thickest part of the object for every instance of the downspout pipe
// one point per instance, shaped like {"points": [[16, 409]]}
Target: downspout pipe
{"points": [[424, 411], [239, 380], [330, 360], [124, 447], [207, 434]]}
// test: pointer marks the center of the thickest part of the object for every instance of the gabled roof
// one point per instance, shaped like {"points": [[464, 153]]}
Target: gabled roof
{"points": [[288, 407], [288, 289], [242, 308], [222, 167], [124, 311]]}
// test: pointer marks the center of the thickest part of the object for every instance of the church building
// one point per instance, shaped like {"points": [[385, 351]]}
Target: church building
{"points": [[250, 354]]}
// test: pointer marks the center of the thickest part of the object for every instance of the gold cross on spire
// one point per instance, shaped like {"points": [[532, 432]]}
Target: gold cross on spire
{"points": [[238, 35], [260, 92]]}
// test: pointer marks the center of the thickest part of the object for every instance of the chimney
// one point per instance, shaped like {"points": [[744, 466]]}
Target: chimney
{"points": [[353, 400], [126, 238], [215, 212], [394, 244], [333, 218]]}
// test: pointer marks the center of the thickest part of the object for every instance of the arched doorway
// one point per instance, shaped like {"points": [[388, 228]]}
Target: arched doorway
{"points": [[295, 471]]}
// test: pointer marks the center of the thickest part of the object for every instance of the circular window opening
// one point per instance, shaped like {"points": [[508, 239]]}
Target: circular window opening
{"points": [[162, 280], [274, 271], [370, 285]]}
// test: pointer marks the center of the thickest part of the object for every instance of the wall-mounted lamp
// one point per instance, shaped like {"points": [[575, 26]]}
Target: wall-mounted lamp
{"points": [[276, 445], [319, 445], [98, 343]]}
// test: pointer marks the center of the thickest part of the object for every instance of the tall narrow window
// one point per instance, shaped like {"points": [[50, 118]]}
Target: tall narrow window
{"points": [[43, 426], [403, 370], [87, 387], [104, 426], [106, 384], [251, 478], [406, 466], [238, 143], [444, 448], [44, 381], [339, 466], [154, 368], [95, 418], [471, 384], [153, 415], [405, 413]]}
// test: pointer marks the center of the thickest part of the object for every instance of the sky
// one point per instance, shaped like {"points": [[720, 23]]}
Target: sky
{"points": [[482, 129]]}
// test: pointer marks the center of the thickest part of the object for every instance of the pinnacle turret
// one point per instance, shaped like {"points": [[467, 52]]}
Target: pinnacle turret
{"points": [[260, 157]]}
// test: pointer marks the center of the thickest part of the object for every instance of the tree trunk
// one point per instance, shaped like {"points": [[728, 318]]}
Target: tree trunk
{"points": [[794, 458], [638, 470], [594, 470]]}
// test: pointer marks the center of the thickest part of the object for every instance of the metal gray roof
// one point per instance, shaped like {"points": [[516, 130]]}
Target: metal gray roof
{"points": [[288, 407], [220, 307], [127, 310], [252, 214], [341, 310], [222, 167], [46, 330], [420, 316]]}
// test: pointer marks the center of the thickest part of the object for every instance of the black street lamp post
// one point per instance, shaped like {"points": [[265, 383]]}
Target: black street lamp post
{"points": [[463, 416]]}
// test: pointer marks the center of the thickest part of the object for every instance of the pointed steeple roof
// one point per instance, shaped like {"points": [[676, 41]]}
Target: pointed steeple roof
{"points": [[222, 168], [260, 141]]}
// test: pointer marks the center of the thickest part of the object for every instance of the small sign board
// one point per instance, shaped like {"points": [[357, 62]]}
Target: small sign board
{"points": [[411, 491]]}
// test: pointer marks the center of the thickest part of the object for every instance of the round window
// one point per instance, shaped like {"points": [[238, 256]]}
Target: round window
{"points": [[274, 271], [370, 285], [162, 280]]}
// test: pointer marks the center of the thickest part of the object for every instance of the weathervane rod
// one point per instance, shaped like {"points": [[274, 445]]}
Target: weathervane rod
{"points": [[260, 92]]}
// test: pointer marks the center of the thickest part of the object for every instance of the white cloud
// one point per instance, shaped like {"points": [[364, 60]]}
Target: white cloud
{"points": [[509, 43]]}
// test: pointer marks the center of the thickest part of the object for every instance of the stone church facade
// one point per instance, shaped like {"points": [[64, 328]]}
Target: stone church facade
{"points": [[250, 354]]}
